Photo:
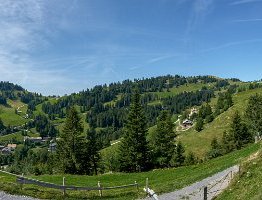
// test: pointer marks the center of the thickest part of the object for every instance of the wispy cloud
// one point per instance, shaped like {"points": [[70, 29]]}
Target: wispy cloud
{"points": [[155, 59], [238, 2], [25, 30], [247, 20], [21, 24], [230, 44], [201, 8]]}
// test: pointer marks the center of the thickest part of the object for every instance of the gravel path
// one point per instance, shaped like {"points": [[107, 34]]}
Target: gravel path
{"points": [[215, 184], [5, 196]]}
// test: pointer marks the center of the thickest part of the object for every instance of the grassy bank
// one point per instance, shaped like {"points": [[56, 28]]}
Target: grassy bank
{"points": [[248, 185], [160, 180]]}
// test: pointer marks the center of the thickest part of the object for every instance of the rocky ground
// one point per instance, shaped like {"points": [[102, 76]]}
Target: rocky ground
{"points": [[5, 196]]}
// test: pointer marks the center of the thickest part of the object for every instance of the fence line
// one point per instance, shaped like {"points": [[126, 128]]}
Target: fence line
{"points": [[10, 173], [24, 180], [205, 189]]}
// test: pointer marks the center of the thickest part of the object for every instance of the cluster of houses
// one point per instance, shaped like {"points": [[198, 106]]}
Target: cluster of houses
{"points": [[7, 149], [52, 143], [36, 139]]}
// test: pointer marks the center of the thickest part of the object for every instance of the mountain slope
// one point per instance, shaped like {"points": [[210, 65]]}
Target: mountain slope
{"points": [[199, 142]]}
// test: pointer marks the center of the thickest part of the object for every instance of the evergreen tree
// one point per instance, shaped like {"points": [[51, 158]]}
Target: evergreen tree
{"points": [[164, 144], [209, 115], [134, 154], [240, 131], [228, 102], [2, 126], [93, 149], [199, 124], [254, 114], [216, 149], [228, 142], [224, 102], [191, 159], [179, 157], [205, 112], [68, 148]]}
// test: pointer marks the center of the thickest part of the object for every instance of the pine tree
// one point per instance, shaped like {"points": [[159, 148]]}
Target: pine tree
{"points": [[199, 124], [68, 146], [240, 131], [134, 154], [228, 142], [209, 115], [215, 150], [254, 114], [191, 159], [228, 102], [164, 144], [93, 149], [179, 157], [2, 126]]}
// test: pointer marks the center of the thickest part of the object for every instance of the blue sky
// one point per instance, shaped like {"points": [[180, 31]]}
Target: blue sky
{"points": [[65, 46]]}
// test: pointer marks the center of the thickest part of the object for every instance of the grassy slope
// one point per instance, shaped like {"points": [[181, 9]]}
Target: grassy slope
{"points": [[7, 113], [199, 142], [248, 185], [183, 88], [177, 90], [160, 180]]}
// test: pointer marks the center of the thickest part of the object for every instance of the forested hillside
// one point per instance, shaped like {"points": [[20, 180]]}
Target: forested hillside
{"points": [[104, 106], [103, 112]]}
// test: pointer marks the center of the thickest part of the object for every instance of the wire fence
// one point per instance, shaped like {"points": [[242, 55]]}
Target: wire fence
{"points": [[25, 180], [212, 189], [205, 189]]}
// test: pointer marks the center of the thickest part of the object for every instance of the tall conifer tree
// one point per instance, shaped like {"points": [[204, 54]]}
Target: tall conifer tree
{"points": [[134, 154], [164, 144], [93, 149], [254, 114], [68, 145]]}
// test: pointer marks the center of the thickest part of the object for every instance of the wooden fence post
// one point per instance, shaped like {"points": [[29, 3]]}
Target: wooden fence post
{"points": [[136, 186], [146, 185], [100, 191], [64, 188], [22, 184], [205, 193]]}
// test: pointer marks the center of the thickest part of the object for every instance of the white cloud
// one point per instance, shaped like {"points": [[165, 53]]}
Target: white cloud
{"points": [[24, 26]]}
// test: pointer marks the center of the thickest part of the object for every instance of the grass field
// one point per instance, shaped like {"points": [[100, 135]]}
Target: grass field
{"points": [[161, 181], [191, 87], [8, 115]]}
